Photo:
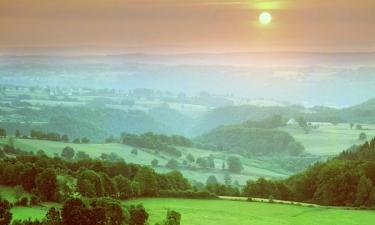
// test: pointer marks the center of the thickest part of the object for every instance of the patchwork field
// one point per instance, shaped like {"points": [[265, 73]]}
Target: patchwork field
{"points": [[253, 168], [227, 212], [327, 140]]}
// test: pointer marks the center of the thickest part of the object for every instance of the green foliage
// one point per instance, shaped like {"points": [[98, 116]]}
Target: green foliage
{"points": [[46, 183], [362, 136], [124, 187], [158, 142], [211, 180], [172, 218], [250, 141], [364, 189], [154, 163], [146, 178], [138, 215], [234, 164], [81, 155], [190, 158], [274, 121], [3, 133], [5, 214], [67, 153], [172, 164]]}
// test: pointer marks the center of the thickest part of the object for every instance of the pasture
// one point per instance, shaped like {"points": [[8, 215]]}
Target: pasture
{"points": [[229, 212], [329, 139]]}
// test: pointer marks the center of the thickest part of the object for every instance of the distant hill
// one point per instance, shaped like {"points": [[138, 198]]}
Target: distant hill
{"points": [[364, 112], [249, 141]]}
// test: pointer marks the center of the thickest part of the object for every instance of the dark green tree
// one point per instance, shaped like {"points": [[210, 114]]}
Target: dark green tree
{"points": [[67, 153], [138, 215], [46, 183], [172, 164], [234, 164], [5, 214], [364, 189]]}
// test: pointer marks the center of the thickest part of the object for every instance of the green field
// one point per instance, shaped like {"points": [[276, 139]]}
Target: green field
{"points": [[227, 212], [231, 212], [329, 139]]}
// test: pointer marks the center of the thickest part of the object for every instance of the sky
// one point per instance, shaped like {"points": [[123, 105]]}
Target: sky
{"points": [[186, 26]]}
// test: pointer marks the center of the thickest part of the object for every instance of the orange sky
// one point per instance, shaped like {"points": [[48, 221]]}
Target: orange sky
{"points": [[188, 25]]}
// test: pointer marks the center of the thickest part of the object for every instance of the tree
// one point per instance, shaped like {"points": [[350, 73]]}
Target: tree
{"points": [[190, 158], [358, 127], [371, 199], [81, 155], [211, 180], [154, 163], [172, 164], [65, 138], [364, 189], [77, 141], [3, 133], [46, 183], [227, 179], [18, 133], [134, 151], [147, 181], [11, 141], [74, 212], [68, 153], [138, 215], [211, 162], [172, 218], [362, 136], [90, 184], [18, 192], [234, 164], [124, 187], [351, 125], [85, 140], [53, 217], [110, 139], [303, 124], [202, 162], [5, 214]]}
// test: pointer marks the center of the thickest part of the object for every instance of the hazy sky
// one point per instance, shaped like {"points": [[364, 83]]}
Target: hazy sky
{"points": [[188, 25]]}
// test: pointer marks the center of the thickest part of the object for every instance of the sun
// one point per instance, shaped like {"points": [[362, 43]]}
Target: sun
{"points": [[265, 18]]}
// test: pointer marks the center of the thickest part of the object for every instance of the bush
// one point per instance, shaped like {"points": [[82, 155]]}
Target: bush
{"points": [[34, 200], [22, 202]]}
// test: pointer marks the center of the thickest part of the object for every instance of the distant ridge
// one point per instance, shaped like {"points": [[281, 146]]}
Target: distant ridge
{"points": [[340, 59]]}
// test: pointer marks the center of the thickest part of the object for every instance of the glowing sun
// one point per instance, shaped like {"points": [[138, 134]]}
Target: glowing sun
{"points": [[265, 18]]}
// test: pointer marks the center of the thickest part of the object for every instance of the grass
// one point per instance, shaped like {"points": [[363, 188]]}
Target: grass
{"points": [[227, 212], [25, 213], [329, 139], [230, 212]]}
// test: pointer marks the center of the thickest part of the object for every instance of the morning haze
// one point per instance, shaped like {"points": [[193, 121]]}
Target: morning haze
{"points": [[125, 112]]}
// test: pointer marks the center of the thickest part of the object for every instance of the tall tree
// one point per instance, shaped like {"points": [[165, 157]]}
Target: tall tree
{"points": [[46, 183], [234, 164], [363, 191]]}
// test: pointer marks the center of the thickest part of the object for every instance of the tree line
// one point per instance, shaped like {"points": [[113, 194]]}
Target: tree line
{"points": [[157, 142], [99, 211], [41, 135], [346, 180]]}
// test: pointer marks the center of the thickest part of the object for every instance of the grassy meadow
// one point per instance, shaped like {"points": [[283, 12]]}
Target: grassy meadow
{"points": [[329, 139], [223, 212]]}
